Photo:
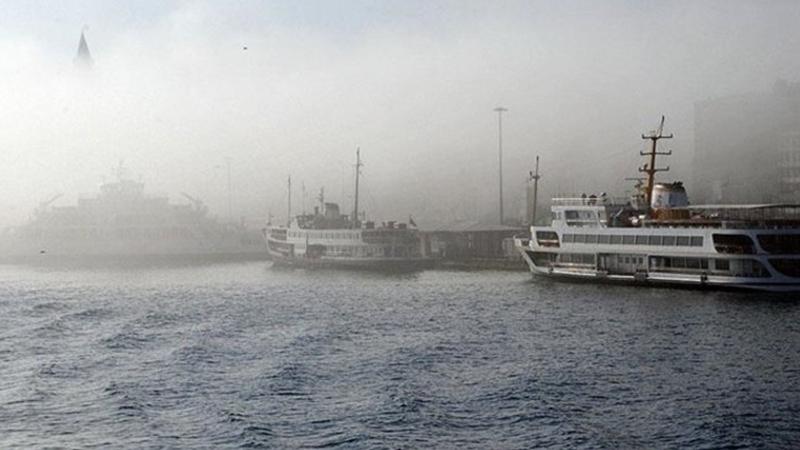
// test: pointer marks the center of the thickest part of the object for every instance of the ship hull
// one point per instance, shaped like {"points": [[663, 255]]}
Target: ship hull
{"points": [[667, 283], [658, 279], [344, 263]]}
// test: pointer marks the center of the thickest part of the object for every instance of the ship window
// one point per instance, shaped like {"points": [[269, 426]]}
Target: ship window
{"points": [[571, 215], [722, 264], [580, 238], [660, 262], [683, 241], [780, 244], [692, 263], [591, 238], [788, 267], [628, 240], [753, 268], [547, 238], [568, 238], [616, 239], [654, 240], [668, 240], [542, 259], [603, 239], [679, 263], [697, 241], [733, 243], [579, 258], [641, 240]]}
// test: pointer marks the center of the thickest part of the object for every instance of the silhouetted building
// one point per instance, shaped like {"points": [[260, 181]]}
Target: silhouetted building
{"points": [[473, 240], [83, 59], [747, 147]]}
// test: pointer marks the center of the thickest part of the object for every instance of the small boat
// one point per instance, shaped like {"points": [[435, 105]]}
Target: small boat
{"points": [[656, 237]]}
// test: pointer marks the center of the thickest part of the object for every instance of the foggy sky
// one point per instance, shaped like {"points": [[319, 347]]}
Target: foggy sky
{"points": [[173, 92]]}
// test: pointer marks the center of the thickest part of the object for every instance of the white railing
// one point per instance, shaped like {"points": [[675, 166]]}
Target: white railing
{"points": [[588, 201]]}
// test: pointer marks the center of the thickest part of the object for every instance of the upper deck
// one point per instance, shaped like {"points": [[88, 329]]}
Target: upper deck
{"points": [[605, 212]]}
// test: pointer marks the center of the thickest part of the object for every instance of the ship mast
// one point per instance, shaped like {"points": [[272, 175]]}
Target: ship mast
{"points": [[534, 176], [358, 172], [650, 169]]}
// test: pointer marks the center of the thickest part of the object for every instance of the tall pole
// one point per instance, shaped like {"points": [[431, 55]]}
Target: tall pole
{"points": [[358, 172], [500, 110], [534, 176], [230, 195], [303, 187], [289, 203]]}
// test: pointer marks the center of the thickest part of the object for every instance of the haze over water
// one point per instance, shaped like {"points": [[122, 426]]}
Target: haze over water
{"points": [[243, 355], [286, 87]]}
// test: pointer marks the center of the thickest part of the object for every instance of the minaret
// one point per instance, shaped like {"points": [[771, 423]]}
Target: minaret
{"points": [[83, 59]]}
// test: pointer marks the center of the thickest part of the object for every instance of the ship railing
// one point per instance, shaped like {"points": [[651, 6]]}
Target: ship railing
{"points": [[747, 213], [602, 200]]}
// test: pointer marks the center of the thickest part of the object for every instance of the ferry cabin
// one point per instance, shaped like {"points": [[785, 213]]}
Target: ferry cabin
{"points": [[330, 244], [743, 246]]}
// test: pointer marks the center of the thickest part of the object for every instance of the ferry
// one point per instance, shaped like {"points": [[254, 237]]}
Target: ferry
{"points": [[123, 222], [656, 237], [329, 239]]}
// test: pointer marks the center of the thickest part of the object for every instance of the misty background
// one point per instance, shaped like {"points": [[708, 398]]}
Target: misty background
{"points": [[294, 87]]}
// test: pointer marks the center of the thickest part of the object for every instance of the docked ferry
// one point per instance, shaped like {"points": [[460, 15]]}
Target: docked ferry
{"points": [[329, 239], [657, 237]]}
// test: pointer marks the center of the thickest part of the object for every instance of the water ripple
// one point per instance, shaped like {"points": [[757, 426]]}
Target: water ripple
{"points": [[240, 356]]}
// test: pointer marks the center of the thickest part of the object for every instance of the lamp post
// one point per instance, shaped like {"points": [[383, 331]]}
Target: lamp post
{"points": [[230, 191], [500, 110]]}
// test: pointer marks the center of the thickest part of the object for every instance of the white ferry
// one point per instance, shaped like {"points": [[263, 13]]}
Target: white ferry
{"points": [[329, 239], [657, 237]]}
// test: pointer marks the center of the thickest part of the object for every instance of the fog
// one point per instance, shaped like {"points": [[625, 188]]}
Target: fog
{"points": [[293, 88]]}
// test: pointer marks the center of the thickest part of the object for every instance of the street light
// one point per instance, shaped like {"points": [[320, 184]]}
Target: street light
{"points": [[500, 110]]}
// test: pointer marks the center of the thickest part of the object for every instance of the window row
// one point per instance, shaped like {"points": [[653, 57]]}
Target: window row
{"points": [[368, 251], [323, 235], [619, 239], [732, 267]]}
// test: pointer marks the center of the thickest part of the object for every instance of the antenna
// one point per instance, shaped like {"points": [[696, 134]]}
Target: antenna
{"points": [[650, 169]]}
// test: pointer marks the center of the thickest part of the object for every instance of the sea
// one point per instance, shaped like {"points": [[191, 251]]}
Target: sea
{"points": [[244, 355]]}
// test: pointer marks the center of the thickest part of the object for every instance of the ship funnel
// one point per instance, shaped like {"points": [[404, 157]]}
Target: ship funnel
{"points": [[669, 195], [670, 201]]}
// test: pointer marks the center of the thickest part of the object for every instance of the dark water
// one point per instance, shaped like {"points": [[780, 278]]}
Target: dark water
{"points": [[240, 355]]}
